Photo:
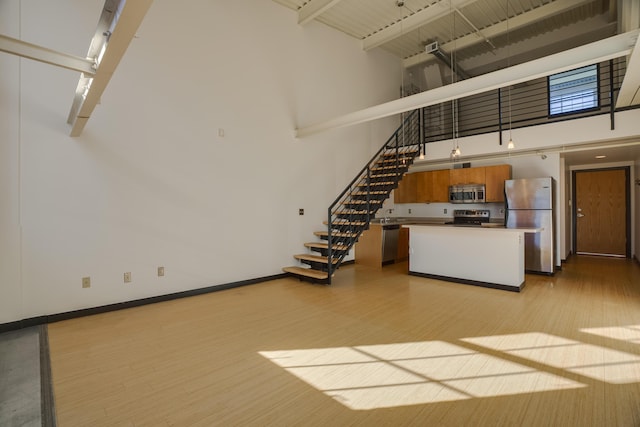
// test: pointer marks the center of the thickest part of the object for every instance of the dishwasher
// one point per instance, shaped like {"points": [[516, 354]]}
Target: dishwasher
{"points": [[390, 234]]}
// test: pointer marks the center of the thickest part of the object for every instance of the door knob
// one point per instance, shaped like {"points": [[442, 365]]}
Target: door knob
{"points": [[580, 215]]}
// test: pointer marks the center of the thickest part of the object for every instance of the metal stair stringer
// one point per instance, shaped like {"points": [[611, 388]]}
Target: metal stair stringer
{"points": [[352, 211]]}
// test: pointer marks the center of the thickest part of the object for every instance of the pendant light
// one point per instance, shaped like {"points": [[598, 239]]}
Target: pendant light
{"points": [[510, 145], [400, 4], [455, 152]]}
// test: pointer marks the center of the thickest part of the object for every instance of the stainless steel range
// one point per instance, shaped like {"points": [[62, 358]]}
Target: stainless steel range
{"points": [[471, 217]]}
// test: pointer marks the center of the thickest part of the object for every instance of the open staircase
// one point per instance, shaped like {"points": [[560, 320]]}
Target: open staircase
{"points": [[352, 211]]}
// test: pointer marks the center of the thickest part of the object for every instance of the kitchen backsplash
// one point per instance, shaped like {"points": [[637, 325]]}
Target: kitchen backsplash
{"points": [[435, 210]]}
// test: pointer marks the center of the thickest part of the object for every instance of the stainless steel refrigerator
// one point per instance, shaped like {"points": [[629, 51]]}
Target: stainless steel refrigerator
{"points": [[529, 203]]}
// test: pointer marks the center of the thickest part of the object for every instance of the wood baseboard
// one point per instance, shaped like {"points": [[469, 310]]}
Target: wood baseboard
{"points": [[50, 318]]}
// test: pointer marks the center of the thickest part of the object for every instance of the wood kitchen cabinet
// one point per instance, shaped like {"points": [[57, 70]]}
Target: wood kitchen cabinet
{"points": [[403, 245], [494, 179], [466, 176], [433, 186], [406, 191]]}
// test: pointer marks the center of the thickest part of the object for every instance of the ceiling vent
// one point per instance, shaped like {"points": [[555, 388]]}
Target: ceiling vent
{"points": [[431, 47]]}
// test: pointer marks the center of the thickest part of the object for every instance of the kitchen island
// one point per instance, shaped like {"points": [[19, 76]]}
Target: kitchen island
{"points": [[483, 256]]}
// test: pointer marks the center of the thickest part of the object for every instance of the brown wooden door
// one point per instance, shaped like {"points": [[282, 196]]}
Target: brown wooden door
{"points": [[601, 212]]}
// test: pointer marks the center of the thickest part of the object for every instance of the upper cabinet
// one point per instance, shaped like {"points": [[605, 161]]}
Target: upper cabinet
{"points": [[495, 177], [407, 189], [433, 186], [466, 176]]}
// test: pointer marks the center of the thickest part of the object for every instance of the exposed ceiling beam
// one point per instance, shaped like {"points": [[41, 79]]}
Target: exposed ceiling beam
{"points": [[313, 9], [629, 12], [108, 46], [602, 50], [522, 20], [630, 90], [412, 22], [48, 56], [558, 40]]}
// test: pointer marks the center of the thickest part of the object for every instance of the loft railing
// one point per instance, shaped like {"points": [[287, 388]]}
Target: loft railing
{"points": [[365, 193], [522, 105]]}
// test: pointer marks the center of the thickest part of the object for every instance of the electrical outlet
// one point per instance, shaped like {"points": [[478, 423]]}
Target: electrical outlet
{"points": [[501, 211], [445, 210], [409, 210], [86, 282], [160, 271], [127, 277], [300, 211]]}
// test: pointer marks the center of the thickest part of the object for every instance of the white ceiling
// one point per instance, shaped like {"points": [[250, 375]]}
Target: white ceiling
{"points": [[481, 36], [477, 32]]}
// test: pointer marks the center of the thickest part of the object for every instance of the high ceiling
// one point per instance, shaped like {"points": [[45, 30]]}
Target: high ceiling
{"points": [[481, 35], [478, 36]]}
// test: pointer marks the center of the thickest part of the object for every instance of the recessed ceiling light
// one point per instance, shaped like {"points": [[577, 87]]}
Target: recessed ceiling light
{"points": [[600, 157]]}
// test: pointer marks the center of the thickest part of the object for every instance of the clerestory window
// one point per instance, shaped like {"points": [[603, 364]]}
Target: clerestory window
{"points": [[573, 91]]}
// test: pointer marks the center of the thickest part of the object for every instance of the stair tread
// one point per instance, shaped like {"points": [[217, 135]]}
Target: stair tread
{"points": [[334, 234], [344, 222], [364, 193], [307, 272], [376, 183], [314, 258], [323, 245], [375, 168], [400, 153], [384, 175], [350, 212]]}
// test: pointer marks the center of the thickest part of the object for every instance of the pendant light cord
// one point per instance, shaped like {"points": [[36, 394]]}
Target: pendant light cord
{"points": [[510, 144]]}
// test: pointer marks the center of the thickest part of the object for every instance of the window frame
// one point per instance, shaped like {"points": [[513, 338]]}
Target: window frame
{"points": [[576, 111]]}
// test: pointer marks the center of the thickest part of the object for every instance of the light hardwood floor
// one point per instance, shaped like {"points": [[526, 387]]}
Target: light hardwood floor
{"points": [[378, 347]]}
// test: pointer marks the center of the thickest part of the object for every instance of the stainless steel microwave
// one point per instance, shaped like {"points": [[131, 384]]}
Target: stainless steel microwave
{"points": [[468, 193]]}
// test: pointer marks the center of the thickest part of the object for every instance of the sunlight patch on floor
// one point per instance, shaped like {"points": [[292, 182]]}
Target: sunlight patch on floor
{"points": [[629, 333], [589, 360], [389, 375]]}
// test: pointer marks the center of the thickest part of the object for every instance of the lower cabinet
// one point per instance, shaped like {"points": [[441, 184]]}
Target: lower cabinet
{"points": [[403, 245], [382, 244]]}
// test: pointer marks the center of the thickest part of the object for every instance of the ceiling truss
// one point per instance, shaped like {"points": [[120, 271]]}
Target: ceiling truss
{"points": [[612, 47]]}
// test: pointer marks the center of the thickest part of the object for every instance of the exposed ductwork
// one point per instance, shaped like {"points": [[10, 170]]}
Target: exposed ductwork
{"points": [[434, 49]]}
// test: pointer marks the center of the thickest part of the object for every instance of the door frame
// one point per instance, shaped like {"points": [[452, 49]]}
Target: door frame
{"points": [[627, 214]]}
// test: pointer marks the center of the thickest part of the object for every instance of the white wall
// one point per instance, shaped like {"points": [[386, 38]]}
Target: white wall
{"points": [[636, 223], [10, 289], [150, 183]]}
